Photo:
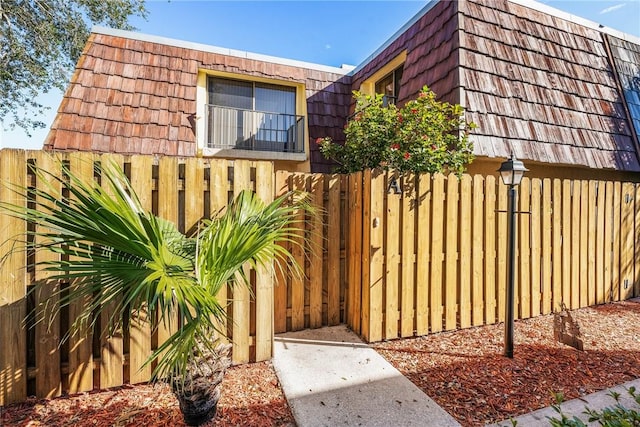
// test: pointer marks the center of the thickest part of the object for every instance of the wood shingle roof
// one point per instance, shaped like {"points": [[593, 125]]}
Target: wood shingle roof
{"points": [[133, 95], [541, 87]]}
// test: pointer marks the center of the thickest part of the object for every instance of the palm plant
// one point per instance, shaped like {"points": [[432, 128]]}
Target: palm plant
{"points": [[121, 256]]}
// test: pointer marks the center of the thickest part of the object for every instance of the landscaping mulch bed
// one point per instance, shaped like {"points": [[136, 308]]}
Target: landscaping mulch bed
{"points": [[251, 395], [465, 373]]}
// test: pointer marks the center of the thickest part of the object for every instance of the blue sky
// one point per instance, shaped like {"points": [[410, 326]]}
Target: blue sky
{"points": [[323, 32]]}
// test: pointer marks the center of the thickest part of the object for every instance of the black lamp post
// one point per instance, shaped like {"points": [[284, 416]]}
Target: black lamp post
{"points": [[511, 172]]}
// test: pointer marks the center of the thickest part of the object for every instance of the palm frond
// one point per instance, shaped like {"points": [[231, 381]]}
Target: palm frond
{"points": [[116, 254]]}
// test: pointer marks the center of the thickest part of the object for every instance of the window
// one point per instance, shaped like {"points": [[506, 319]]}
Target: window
{"points": [[389, 86], [253, 116]]}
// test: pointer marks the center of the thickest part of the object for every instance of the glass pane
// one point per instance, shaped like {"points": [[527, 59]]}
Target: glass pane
{"points": [[385, 86], [231, 93], [275, 99], [397, 80]]}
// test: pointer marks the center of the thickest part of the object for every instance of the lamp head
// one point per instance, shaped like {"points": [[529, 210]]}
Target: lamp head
{"points": [[512, 170]]}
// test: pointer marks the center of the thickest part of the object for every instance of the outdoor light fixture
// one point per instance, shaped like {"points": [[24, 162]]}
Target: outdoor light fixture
{"points": [[511, 172]]}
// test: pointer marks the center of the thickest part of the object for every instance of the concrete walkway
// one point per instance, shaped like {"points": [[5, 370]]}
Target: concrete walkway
{"points": [[576, 407], [331, 378]]}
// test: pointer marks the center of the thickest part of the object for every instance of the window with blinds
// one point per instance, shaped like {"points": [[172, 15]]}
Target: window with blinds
{"points": [[389, 86], [253, 116]]}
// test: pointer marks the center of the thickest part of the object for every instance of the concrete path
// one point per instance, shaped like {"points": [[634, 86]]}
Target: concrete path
{"points": [[575, 407], [331, 378]]}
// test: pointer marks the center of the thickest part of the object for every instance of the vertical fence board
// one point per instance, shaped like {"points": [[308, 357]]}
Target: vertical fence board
{"points": [[535, 247], [168, 209], [490, 255], [316, 187], [501, 232], [111, 346], [355, 250], [523, 265], [80, 344], [376, 258], [408, 255], [13, 362], [437, 256], [423, 254], [218, 200], [477, 282], [241, 301], [47, 332], [608, 241], [566, 244], [627, 246], [617, 242], [333, 250], [297, 249], [264, 273], [557, 247], [600, 241], [451, 282], [465, 239], [591, 246], [392, 260], [365, 287], [140, 326], [280, 304], [636, 240], [546, 247], [584, 243], [575, 244]]}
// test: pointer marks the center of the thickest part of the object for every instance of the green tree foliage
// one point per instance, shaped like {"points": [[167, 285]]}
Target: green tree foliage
{"points": [[40, 42], [424, 135]]}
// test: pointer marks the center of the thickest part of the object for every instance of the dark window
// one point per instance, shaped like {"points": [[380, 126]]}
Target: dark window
{"points": [[389, 86]]}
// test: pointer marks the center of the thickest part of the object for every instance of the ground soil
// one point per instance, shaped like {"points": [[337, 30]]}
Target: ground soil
{"points": [[463, 371]]}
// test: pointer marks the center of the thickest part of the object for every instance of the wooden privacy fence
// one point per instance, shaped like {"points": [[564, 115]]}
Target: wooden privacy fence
{"points": [[426, 255], [183, 191], [433, 256]]}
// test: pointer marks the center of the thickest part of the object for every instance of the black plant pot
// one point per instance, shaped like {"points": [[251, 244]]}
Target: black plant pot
{"points": [[198, 389], [197, 413]]}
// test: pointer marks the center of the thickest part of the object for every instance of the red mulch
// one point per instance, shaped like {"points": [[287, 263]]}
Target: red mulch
{"points": [[465, 373], [251, 395]]}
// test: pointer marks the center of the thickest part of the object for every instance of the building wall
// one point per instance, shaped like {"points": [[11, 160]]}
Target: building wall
{"points": [[129, 96], [431, 48]]}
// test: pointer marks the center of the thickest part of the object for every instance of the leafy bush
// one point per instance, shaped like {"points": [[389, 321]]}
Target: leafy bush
{"points": [[424, 135], [612, 416]]}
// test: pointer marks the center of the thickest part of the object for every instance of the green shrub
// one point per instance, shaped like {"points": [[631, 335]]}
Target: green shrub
{"points": [[424, 135]]}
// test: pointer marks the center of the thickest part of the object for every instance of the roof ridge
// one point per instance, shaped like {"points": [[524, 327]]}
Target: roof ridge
{"points": [[550, 10], [343, 70]]}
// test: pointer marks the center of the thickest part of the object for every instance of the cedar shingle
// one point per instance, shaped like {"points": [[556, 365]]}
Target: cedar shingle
{"points": [[531, 81]]}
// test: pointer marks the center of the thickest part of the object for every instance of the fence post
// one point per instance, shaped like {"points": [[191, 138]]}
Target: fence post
{"points": [[354, 252], [264, 275], [13, 281]]}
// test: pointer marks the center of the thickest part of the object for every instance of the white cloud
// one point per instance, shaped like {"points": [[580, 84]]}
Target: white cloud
{"points": [[612, 8], [327, 46]]}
